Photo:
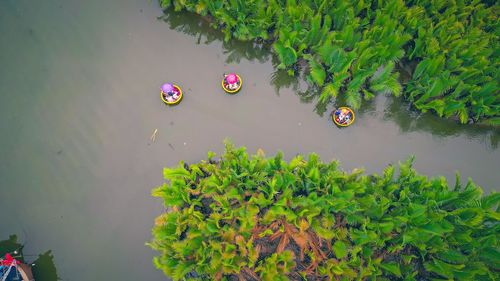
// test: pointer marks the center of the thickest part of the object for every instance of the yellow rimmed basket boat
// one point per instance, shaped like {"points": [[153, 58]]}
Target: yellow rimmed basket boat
{"points": [[178, 100], [235, 90], [343, 116]]}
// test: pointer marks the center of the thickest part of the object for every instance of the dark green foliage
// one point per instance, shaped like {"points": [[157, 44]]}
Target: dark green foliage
{"points": [[10, 245], [45, 268], [254, 218], [454, 45]]}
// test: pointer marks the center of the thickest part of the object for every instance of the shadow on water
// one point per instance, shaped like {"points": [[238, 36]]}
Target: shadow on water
{"points": [[201, 28], [43, 267], [408, 120], [280, 79], [310, 95], [396, 109]]}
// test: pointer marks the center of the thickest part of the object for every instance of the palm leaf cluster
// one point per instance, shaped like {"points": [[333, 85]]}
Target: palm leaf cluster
{"points": [[352, 47], [456, 45], [255, 218]]}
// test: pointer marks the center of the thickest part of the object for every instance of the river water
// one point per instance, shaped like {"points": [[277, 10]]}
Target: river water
{"points": [[79, 101]]}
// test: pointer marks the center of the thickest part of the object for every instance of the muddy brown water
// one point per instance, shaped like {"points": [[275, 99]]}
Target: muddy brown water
{"points": [[79, 101]]}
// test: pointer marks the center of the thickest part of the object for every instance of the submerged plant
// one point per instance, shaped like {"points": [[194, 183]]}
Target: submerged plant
{"points": [[346, 43], [255, 218]]}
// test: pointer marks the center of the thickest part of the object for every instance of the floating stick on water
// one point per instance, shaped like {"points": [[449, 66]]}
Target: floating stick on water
{"points": [[153, 136]]}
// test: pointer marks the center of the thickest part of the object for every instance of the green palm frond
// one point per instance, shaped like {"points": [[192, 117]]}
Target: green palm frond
{"points": [[329, 91], [318, 73], [286, 55]]}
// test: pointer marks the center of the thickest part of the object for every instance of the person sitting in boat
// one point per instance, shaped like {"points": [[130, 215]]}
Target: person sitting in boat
{"points": [[169, 92], [347, 119], [231, 81], [339, 116], [342, 116]]}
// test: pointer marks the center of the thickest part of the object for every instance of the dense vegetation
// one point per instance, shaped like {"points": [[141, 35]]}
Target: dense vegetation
{"points": [[251, 218], [353, 47]]}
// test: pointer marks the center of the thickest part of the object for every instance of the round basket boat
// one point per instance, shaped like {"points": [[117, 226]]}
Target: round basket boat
{"points": [[235, 90], [25, 272], [178, 100], [343, 116], [16, 271]]}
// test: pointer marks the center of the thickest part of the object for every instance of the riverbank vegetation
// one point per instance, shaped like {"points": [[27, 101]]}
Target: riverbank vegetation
{"points": [[255, 218], [357, 49]]}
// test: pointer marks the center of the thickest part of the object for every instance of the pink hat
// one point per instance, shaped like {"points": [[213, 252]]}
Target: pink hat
{"points": [[231, 78], [167, 88]]}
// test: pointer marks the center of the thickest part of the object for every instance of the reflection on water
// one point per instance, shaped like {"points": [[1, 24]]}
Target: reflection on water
{"points": [[43, 266], [408, 120], [280, 79], [201, 29]]}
